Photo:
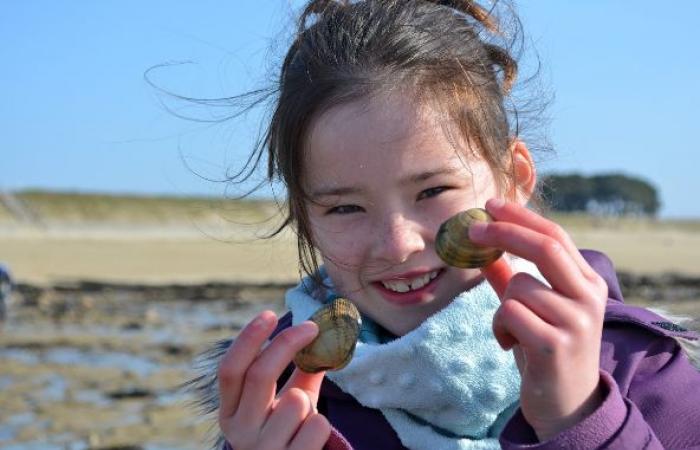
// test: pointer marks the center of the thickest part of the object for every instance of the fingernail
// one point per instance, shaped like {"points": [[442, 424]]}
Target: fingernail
{"points": [[477, 230], [496, 203], [261, 320], [307, 328]]}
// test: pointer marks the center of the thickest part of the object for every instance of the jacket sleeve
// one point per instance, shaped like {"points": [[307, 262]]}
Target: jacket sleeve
{"points": [[616, 424], [658, 411]]}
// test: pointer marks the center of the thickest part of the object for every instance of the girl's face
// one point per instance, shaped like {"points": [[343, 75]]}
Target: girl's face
{"points": [[383, 176]]}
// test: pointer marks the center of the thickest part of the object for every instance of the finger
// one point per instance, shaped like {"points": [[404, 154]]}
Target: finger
{"points": [[307, 382], [289, 413], [238, 358], [261, 378], [516, 213], [535, 336], [498, 274], [313, 434], [553, 261], [520, 359], [550, 306]]}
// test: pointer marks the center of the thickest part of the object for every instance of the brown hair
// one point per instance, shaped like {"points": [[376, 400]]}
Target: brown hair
{"points": [[457, 55]]}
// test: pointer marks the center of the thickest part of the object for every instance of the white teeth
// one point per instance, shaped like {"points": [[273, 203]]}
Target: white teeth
{"points": [[402, 287], [420, 282], [410, 285], [397, 286]]}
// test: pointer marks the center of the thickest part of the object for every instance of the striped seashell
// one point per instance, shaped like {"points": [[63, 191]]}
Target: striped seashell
{"points": [[338, 329], [453, 246]]}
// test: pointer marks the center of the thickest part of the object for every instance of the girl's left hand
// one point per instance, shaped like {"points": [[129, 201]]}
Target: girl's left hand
{"points": [[555, 332]]}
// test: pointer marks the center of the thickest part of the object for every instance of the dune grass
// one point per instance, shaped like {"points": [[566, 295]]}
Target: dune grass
{"points": [[89, 208]]}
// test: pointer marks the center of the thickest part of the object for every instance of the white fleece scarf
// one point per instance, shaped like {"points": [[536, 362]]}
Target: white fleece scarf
{"points": [[445, 385]]}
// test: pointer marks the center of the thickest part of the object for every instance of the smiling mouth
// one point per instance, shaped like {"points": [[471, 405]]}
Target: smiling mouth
{"points": [[412, 284]]}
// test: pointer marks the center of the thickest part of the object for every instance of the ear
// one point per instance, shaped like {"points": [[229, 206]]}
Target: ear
{"points": [[524, 174]]}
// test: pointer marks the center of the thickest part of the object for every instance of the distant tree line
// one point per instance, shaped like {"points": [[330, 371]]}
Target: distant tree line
{"points": [[605, 194]]}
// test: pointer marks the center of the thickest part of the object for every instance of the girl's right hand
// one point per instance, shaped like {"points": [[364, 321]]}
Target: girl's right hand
{"points": [[251, 414]]}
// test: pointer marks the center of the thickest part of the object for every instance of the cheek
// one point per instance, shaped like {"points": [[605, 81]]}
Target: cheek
{"points": [[339, 245], [436, 212], [341, 253], [346, 279]]}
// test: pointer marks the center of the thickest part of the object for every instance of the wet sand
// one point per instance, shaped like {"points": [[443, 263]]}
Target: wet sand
{"points": [[103, 370]]}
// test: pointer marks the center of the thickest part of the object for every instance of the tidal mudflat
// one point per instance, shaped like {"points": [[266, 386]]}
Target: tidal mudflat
{"points": [[101, 366]]}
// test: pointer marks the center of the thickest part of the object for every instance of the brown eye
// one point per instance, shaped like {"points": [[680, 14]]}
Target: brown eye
{"points": [[432, 192], [344, 209]]}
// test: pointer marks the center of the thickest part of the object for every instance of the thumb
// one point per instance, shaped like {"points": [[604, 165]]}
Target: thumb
{"points": [[307, 382], [520, 358], [498, 274]]}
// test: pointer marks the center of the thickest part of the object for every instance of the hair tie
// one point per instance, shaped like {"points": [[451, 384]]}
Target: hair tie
{"points": [[478, 12]]}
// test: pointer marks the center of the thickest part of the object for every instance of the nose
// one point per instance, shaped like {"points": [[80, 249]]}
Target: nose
{"points": [[397, 239]]}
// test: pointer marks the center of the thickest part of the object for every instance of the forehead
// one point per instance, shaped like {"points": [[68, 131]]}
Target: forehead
{"points": [[384, 119], [390, 131]]}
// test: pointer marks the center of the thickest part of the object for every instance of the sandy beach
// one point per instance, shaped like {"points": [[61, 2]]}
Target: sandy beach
{"points": [[147, 254], [191, 255]]}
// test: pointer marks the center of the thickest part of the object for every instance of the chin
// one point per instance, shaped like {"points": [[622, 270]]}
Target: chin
{"points": [[405, 326]]}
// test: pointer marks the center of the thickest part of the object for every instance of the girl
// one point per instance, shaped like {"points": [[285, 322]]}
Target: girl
{"points": [[391, 117]]}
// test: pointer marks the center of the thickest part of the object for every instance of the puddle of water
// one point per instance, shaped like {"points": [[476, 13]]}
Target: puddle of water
{"points": [[43, 445], [169, 399], [210, 314], [35, 445], [167, 447], [20, 355], [175, 321], [92, 396], [6, 381], [69, 356], [72, 356], [54, 388], [19, 420], [7, 433], [191, 317]]}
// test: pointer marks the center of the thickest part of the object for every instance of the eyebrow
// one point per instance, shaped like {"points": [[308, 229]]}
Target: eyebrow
{"points": [[410, 179], [335, 191], [426, 175]]}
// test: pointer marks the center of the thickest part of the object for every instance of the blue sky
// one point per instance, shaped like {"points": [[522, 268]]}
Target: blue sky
{"points": [[76, 113]]}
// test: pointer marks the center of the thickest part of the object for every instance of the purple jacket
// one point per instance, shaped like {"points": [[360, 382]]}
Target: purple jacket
{"points": [[652, 399]]}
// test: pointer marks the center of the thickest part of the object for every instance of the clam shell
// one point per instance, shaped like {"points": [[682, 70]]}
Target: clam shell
{"points": [[338, 328], [453, 246]]}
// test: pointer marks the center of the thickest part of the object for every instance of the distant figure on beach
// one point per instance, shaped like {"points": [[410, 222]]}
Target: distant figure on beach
{"points": [[6, 286]]}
